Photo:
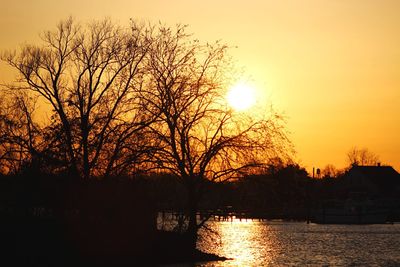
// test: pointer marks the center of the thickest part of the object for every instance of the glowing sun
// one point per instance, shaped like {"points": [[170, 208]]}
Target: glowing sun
{"points": [[241, 96]]}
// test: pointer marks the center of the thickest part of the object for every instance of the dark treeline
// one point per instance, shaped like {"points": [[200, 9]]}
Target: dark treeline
{"points": [[279, 193], [284, 191]]}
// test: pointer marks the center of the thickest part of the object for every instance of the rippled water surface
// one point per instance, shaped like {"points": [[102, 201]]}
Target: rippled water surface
{"points": [[253, 243]]}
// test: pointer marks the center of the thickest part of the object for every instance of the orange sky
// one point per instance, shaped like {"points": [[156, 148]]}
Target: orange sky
{"points": [[332, 66]]}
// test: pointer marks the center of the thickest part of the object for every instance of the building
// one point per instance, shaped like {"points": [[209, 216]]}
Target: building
{"points": [[364, 195], [374, 181]]}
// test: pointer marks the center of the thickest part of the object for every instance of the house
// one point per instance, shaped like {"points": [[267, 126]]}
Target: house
{"points": [[364, 195], [375, 181]]}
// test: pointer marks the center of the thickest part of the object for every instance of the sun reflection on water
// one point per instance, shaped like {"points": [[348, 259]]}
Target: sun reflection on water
{"points": [[237, 242]]}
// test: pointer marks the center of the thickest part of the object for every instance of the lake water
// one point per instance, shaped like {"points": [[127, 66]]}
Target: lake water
{"points": [[254, 243]]}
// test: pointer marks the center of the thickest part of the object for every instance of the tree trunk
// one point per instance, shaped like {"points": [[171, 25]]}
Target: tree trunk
{"points": [[192, 212]]}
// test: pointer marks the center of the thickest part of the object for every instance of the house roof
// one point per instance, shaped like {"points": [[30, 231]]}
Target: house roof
{"points": [[374, 171], [385, 177]]}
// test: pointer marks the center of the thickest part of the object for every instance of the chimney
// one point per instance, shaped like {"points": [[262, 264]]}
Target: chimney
{"points": [[379, 164]]}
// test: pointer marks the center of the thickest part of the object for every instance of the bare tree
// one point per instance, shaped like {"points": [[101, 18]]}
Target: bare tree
{"points": [[91, 77], [330, 171], [19, 142], [199, 137], [361, 157]]}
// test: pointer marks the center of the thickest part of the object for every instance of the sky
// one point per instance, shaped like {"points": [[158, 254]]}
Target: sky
{"points": [[332, 67]]}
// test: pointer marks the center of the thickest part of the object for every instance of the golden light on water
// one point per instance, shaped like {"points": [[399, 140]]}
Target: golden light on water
{"points": [[241, 96], [245, 243]]}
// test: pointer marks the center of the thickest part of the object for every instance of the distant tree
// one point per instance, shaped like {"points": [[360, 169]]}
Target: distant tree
{"points": [[361, 157], [279, 191], [91, 77], [200, 138], [330, 171]]}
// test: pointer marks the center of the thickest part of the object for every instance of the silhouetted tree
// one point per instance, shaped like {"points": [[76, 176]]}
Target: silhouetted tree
{"points": [[330, 171], [279, 192], [361, 157], [91, 77], [199, 136]]}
